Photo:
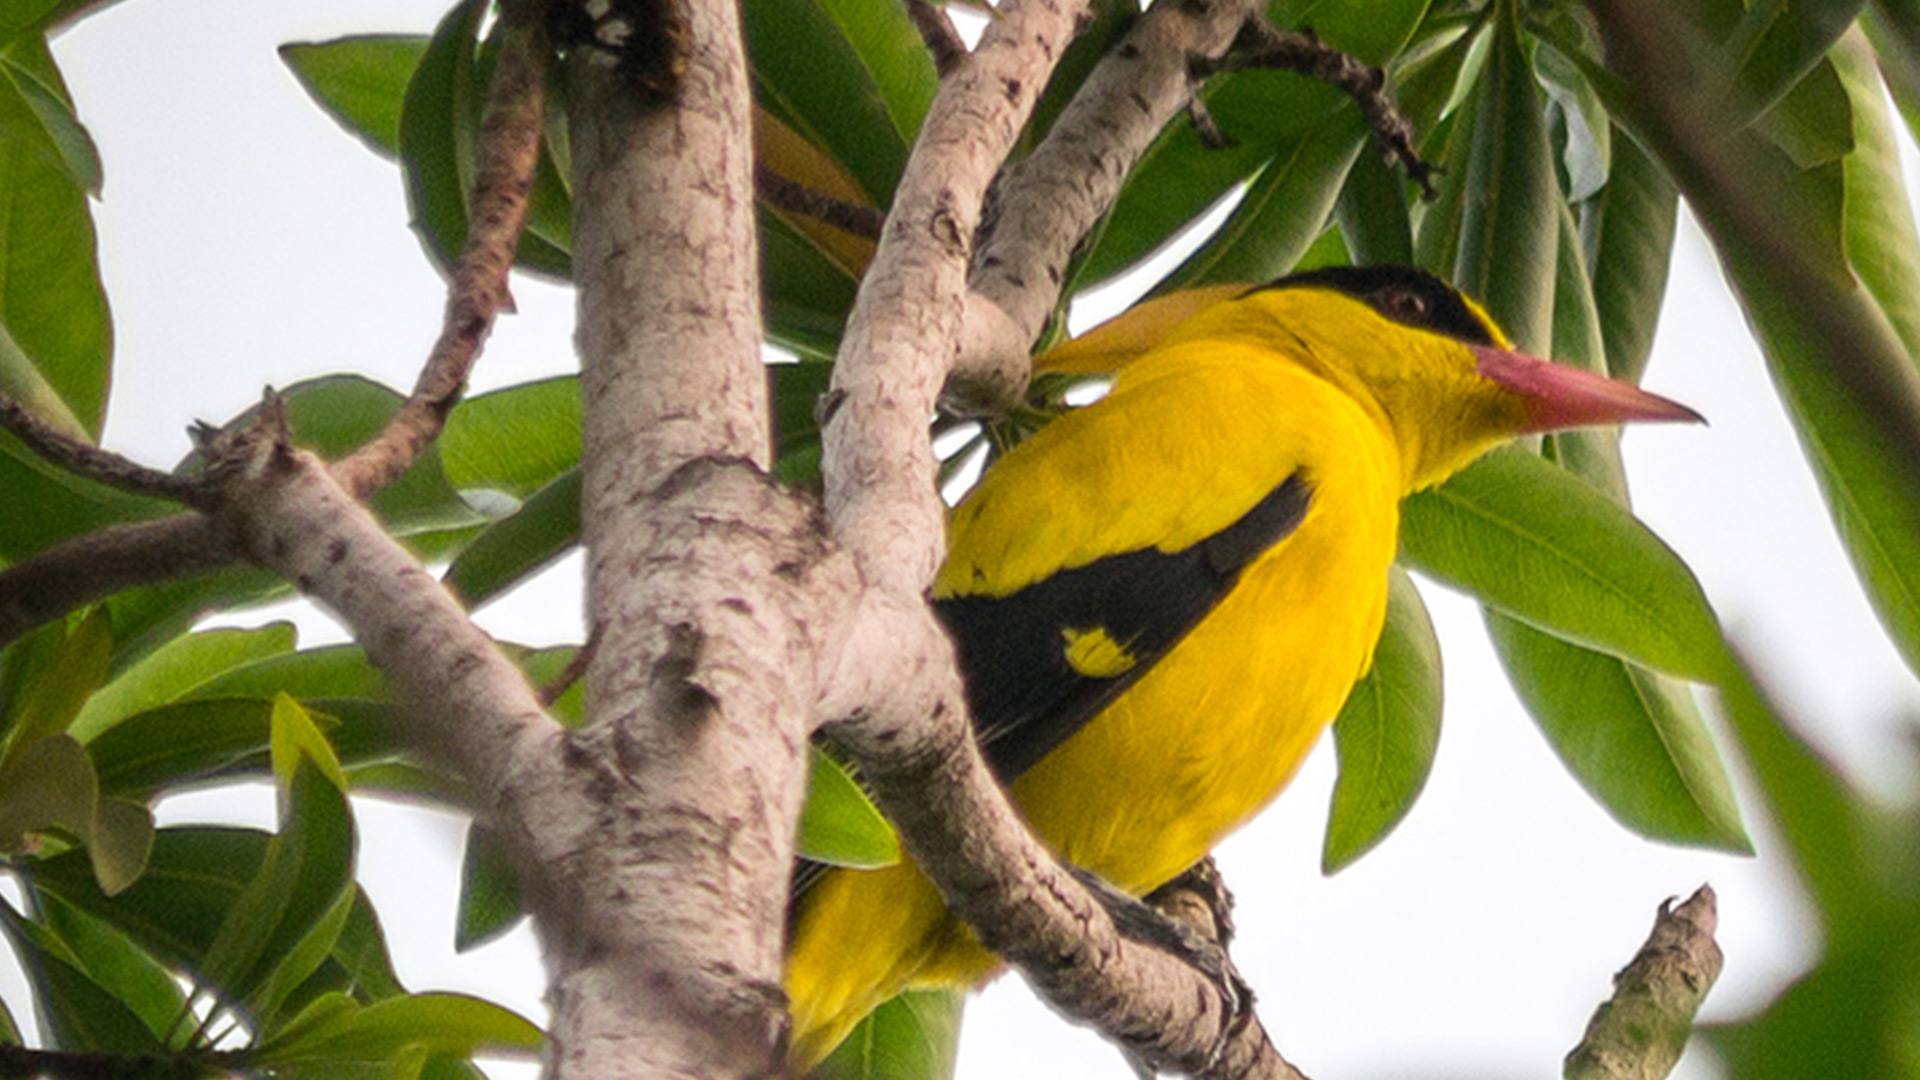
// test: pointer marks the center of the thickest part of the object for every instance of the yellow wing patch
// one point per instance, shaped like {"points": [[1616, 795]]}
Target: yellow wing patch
{"points": [[1093, 653]]}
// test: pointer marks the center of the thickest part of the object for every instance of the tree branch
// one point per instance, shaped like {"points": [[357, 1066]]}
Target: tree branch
{"points": [[90, 462], [895, 701], [1638, 1033], [505, 159], [1048, 201], [948, 49], [796, 198]]}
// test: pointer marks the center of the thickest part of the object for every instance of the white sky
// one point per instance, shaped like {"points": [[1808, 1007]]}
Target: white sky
{"points": [[246, 240]]}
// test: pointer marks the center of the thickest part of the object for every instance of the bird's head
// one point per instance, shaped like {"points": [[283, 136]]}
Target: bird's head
{"points": [[1439, 371]]}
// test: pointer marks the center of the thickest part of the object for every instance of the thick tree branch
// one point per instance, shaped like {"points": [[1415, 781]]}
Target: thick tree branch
{"points": [[92, 567], [1047, 202], [713, 594], [895, 700], [1638, 1034]]}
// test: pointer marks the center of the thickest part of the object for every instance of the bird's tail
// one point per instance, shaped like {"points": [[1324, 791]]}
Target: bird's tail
{"points": [[859, 938]]}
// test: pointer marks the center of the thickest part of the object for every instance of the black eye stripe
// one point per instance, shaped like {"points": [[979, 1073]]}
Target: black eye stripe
{"points": [[1401, 293]]}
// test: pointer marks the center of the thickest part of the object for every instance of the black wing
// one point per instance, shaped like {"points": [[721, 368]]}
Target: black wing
{"points": [[1025, 694]]}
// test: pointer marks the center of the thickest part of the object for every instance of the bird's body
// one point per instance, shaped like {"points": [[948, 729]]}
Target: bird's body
{"points": [[1161, 600]]}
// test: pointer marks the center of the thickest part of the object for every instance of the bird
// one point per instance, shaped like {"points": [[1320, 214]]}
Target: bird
{"points": [[1161, 599]]}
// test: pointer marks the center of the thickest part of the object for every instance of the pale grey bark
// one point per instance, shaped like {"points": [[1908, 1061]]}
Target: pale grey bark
{"points": [[710, 590], [1047, 202]]}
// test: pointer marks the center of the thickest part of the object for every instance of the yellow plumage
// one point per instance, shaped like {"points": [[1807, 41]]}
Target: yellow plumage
{"points": [[1308, 385]]}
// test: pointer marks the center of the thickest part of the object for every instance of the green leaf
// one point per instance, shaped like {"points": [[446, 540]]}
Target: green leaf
{"points": [[1387, 733], [1284, 210], [1823, 824], [175, 671], [840, 825], [852, 77], [1372, 213], [81, 1014], [1883, 246], [807, 293], [1178, 179], [1536, 543], [49, 690], [183, 743], [284, 922], [1584, 130], [914, 1036], [56, 338], [37, 116], [333, 671], [335, 1029], [436, 121], [361, 81], [489, 891], [178, 906], [1634, 740], [117, 963], [1627, 234], [144, 619], [515, 440], [1510, 217], [1374, 32], [1813, 124], [1775, 46], [510, 550]]}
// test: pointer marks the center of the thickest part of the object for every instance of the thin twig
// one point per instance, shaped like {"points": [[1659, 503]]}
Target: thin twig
{"points": [[1263, 45], [796, 198], [936, 28], [505, 159], [86, 460], [1638, 1033]]}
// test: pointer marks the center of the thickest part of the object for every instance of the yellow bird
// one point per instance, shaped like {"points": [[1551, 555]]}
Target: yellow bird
{"points": [[1162, 599]]}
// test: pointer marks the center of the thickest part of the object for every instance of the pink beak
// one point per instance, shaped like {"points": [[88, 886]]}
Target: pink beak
{"points": [[1559, 396]]}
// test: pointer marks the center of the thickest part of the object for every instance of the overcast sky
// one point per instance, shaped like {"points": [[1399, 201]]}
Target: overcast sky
{"points": [[246, 240]]}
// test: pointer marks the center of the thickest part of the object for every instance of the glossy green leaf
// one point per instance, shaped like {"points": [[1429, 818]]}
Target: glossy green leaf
{"points": [[515, 440], [176, 909], [1627, 233], [21, 15], [183, 743], [82, 1014], [361, 81], [360, 953], [489, 892], [175, 671], [336, 1029], [1636, 743], [56, 337], [117, 963], [545, 527], [1893, 26], [1883, 245], [1372, 213], [49, 688], [436, 118], [806, 294], [1536, 543], [1583, 130], [1509, 231], [332, 671], [1284, 210], [41, 505], [1812, 125], [1775, 46], [1373, 32], [840, 825], [282, 925], [1387, 733], [38, 117], [915, 1036], [850, 76], [146, 618]]}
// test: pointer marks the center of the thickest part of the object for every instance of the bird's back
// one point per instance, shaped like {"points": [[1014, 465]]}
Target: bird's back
{"points": [[1204, 728]]}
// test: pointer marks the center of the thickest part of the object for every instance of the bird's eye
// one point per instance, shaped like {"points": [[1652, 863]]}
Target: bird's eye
{"points": [[1402, 305]]}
